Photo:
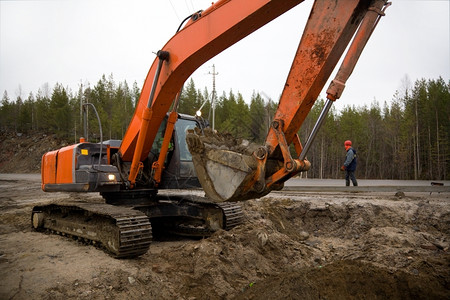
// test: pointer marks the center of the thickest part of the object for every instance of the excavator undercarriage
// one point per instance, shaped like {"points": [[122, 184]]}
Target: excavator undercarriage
{"points": [[125, 230]]}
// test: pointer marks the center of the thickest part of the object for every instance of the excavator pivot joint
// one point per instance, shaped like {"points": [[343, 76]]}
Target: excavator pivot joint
{"points": [[261, 153], [290, 166], [276, 124], [163, 55], [335, 90]]}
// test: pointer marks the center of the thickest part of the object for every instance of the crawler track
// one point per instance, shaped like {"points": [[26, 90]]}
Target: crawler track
{"points": [[230, 213], [233, 215], [122, 231]]}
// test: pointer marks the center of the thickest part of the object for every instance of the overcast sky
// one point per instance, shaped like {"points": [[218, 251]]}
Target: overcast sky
{"points": [[76, 41]]}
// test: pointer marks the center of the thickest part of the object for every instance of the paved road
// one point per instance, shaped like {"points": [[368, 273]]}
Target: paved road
{"points": [[361, 182], [297, 184], [26, 177], [367, 185]]}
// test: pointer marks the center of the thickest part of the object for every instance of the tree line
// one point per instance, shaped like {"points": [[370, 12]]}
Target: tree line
{"points": [[59, 110], [407, 138]]}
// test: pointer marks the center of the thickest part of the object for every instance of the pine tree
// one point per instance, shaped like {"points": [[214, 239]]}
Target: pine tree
{"points": [[258, 126], [60, 112], [6, 115], [189, 100]]}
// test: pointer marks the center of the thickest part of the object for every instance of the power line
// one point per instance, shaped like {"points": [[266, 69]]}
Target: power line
{"points": [[187, 6], [174, 10]]}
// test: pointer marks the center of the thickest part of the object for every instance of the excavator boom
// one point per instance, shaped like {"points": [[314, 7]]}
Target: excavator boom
{"points": [[206, 34]]}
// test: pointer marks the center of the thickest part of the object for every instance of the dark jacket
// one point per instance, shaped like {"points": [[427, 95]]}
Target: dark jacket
{"points": [[350, 160]]}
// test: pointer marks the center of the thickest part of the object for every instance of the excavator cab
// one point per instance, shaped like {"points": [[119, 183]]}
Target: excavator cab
{"points": [[179, 172]]}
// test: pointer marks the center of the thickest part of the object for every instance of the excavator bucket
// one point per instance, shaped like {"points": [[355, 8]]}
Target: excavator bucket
{"points": [[227, 168]]}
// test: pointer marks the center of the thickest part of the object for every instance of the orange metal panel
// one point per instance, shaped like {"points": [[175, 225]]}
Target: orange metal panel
{"points": [[158, 166], [48, 168], [65, 165]]}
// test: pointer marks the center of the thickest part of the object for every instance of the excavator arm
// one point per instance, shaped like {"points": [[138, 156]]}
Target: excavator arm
{"points": [[230, 175]]}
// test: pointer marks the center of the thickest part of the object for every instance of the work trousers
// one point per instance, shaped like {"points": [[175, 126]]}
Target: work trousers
{"points": [[350, 175]]}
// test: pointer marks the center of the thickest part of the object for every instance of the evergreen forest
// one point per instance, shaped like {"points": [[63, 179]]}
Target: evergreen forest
{"points": [[406, 138]]}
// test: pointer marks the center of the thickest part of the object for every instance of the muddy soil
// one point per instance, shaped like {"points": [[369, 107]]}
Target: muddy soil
{"points": [[292, 246]]}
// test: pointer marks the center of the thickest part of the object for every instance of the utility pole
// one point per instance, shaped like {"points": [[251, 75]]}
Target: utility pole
{"points": [[213, 96], [83, 114], [80, 94]]}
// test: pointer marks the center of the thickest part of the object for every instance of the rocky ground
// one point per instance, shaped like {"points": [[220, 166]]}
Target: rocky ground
{"points": [[21, 153], [313, 245]]}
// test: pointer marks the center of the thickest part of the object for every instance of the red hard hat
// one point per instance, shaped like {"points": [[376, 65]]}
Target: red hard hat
{"points": [[347, 143]]}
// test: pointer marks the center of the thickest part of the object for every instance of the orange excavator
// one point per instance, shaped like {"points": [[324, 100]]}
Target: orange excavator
{"points": [[163, 149]]}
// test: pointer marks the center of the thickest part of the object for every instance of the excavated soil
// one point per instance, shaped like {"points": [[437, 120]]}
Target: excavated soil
{"points": [[291, 246]]}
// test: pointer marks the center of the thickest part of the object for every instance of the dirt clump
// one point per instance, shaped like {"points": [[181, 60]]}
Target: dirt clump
{"points": [[198, 139], [291, 246]]}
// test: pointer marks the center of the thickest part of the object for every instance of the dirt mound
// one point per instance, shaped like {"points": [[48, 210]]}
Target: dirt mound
{"points": [[22, 153], [301, 250], [347, 280]]}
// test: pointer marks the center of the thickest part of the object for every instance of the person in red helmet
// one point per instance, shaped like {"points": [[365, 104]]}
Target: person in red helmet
{"points": [[350, 164]]}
